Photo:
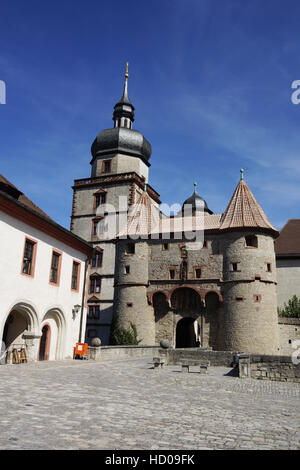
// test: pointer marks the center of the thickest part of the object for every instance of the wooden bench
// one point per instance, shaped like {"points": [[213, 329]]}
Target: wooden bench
{"points": [[158, 362], [202, 366]]}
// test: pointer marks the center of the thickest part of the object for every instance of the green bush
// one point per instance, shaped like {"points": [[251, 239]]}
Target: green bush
{"points": [[121, 336], [291, 309]]}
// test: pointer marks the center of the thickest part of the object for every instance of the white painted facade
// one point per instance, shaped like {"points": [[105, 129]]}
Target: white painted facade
{"points": [[32, 301], [288, 276]]}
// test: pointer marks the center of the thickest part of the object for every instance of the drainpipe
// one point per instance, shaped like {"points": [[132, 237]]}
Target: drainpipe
{"points": [[86, 264]]}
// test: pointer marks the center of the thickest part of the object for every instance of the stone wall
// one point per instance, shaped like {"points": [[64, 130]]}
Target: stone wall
{"points": [[121, 352], [216, 358], [279, 368], [289, 335]]}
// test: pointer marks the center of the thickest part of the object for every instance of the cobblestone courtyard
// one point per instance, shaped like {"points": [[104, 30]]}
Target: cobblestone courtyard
{"points": [[125, 404]]}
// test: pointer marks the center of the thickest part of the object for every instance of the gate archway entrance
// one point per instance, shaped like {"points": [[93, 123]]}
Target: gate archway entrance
{"points": [[186, 302], [186, 336]]}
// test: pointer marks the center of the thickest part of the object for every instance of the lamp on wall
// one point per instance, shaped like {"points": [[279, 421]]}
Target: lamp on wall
{"points": [[75, 310]]}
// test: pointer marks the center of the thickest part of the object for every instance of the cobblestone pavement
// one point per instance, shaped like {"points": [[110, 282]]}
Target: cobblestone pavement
{"points": [[125, 404]]}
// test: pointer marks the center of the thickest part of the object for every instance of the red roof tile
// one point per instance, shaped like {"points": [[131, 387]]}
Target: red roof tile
{"points": [[243, 211], [288, 242]]}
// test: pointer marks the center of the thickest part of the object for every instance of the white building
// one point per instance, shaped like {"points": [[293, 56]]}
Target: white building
{"points": [[42, 280], [287, 249]]}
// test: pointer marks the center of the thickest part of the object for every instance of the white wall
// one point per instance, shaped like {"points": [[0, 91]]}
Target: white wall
{"points": [[288, 278], [41, 301]]}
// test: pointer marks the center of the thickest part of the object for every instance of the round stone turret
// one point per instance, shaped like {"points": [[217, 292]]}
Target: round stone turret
{"points": [[131, 282]]}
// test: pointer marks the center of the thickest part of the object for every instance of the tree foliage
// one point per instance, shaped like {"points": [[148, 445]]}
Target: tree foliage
{"points": [[121, 336], [290, 309]]}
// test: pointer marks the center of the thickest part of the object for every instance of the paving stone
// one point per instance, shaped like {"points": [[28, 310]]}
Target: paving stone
{"points": [[124, 404]]}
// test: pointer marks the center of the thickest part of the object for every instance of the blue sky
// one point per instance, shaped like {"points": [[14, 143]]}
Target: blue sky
{"points": [[210, 81]]}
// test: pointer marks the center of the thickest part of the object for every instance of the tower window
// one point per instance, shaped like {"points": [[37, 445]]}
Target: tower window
{"points": [[251, 241], [257, 297], [100, 199], [239, 298], [130, 248], [106, 166], [94, 312], [95, 285], [97, 227], [234, 267], [127, 269], [269, 267], [165, 246], [172, 273], [97, 259], [197, 273]]}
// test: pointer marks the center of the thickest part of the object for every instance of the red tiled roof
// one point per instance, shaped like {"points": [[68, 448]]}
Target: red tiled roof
{"points": [[288, 242], [243, 211]]}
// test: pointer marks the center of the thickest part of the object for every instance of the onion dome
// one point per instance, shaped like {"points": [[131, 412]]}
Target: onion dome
{"points": [[244, 212], [122, 138], [196, 203]]}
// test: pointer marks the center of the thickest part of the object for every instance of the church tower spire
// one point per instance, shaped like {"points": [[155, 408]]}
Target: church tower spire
{"points": [[123, 110]]}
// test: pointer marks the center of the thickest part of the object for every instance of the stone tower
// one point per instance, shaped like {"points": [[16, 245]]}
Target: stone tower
{"points": [[119, 169], [131, 273], [250, 321]]}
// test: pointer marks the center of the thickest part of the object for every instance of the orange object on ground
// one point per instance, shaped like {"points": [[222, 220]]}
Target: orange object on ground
{"points": [[81, 349]]}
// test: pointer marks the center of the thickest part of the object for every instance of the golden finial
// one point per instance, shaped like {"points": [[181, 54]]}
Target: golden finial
{"points": [[126, 73]]}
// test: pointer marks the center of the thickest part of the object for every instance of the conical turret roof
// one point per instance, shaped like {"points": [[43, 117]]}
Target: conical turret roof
{"points": [[244, 212]]}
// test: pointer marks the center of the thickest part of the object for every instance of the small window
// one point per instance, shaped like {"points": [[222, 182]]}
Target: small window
{"points": [[234, 266], [165, 246], [127, 269], [269, 267], [95, 226], [205, 244], [257, 297], [75, 276], [130, 248], [98, 227], [129, 304], [95, 285], [239, 298], [97, 259], [100, 199], [55, 268], [172, 273], [106, 166], [94, 312], [29, 257], [197, 273], [251, 241]]}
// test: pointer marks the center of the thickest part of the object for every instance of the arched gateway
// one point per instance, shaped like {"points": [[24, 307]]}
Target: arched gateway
{"points": [[186, 303]]}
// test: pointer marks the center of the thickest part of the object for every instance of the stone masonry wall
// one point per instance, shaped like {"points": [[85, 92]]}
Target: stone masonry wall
{"points": [[289, 335], [279, 368]]}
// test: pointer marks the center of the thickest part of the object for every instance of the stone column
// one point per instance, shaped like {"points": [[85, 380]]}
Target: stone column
{"points": [[31, 343]]}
